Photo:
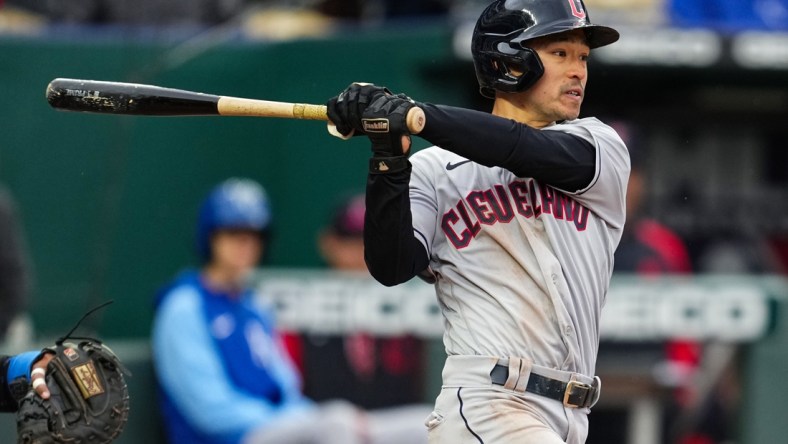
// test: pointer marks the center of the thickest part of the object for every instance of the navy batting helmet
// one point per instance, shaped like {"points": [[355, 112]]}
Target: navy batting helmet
{"points": [[236, 203], [498, 42]]}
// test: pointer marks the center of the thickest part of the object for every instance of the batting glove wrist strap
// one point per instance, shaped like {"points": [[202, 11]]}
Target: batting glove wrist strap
{"points": [[388, 165]]}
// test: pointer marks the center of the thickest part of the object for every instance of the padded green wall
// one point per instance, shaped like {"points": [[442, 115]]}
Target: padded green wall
{"points": [[108, 202]]}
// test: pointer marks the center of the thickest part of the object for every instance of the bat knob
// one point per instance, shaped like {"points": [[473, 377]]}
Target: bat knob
{"points": [[415, 120]]}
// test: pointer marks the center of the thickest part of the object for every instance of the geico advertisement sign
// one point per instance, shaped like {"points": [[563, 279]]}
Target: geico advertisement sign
{"points": [[635, 309]]}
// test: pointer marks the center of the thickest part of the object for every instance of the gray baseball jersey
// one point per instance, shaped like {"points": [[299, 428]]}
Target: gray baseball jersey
{"points": [[522, 268]]}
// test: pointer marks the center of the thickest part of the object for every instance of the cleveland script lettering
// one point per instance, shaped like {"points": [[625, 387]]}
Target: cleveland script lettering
{"points": [[525, 197]]}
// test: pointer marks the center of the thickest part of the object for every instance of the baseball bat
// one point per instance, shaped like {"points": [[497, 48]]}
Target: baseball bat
{"points": [[102, 97]]}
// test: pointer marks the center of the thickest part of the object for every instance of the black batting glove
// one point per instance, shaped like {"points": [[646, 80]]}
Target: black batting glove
{"points": [[384, 122], [346, 109]]}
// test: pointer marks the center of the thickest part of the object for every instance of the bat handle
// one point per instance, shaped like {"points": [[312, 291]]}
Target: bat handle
{"points": [[415, 120]]}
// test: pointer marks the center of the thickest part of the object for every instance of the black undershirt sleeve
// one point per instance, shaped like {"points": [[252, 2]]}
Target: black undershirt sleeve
{"points": [[391, 251], [555, 158]]}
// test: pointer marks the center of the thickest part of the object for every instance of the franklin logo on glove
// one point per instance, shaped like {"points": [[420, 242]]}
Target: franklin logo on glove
{"points": [[375, 125]]}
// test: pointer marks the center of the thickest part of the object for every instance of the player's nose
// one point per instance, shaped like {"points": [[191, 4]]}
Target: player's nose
{"points": [[578, 70]]}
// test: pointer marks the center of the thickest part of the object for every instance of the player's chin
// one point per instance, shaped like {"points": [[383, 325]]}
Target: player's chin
{"points": [[570, 109], [569, 115]]}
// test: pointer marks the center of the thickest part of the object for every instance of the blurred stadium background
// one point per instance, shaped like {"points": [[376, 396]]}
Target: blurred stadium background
{"points": [[108, 203]]}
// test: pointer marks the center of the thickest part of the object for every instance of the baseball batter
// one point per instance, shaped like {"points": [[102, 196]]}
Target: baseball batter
{"points": [[513, 215]]}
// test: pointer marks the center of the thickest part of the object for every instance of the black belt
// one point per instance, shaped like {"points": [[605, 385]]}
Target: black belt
{"points": [[571, 394]]}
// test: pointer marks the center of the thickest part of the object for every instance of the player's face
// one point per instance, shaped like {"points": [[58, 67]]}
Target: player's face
{"points": [[343, 253], [558, 94], [236, 251]]}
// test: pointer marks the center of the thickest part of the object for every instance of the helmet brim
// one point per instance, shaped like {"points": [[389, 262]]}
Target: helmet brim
{"points": [[596, 35], [599, 35]]}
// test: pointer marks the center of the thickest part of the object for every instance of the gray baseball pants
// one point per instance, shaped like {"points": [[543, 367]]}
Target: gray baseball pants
{"points": [[472, 410]]}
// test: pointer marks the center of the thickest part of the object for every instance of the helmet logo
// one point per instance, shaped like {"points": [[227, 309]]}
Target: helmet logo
{"points": [[577, 8]]}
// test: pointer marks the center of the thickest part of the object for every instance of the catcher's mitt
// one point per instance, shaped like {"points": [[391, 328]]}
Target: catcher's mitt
{"points": [[89, 400]]}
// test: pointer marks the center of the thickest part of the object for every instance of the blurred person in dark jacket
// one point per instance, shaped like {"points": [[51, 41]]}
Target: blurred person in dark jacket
{"points": [[14, 264]]}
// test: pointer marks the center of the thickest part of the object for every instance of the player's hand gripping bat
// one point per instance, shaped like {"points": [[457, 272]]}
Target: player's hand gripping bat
{"points": [[95, 96]]}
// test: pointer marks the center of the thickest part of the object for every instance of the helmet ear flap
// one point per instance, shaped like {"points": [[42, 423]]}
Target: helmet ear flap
{"points": [[513, 72]]}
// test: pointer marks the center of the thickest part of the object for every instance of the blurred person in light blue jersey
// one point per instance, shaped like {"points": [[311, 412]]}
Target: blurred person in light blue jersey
{"points": [[224, 375]]}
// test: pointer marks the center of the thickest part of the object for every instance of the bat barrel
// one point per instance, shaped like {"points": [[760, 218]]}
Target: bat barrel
{"points": [[127, 98]]}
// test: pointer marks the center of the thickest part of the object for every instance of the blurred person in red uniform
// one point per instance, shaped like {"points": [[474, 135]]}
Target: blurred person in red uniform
{"points": [[650, 248], [367, 370], [647, 246]]}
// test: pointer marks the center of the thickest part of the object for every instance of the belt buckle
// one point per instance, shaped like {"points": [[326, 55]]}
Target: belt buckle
{"points": [[570, 388]]}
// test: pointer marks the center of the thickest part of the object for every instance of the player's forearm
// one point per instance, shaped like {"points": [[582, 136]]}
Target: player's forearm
{"points": [[392, 252], [13, 368], [555, 158]]}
